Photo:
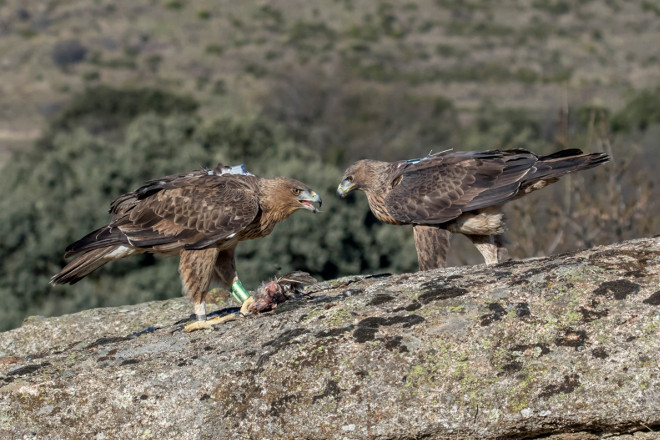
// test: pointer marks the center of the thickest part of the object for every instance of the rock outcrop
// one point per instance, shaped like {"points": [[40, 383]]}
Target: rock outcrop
{"points": [[559, 347]]}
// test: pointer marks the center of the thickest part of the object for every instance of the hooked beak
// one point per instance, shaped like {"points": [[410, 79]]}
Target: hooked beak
{"points": [[307, 198], [345, 187]]}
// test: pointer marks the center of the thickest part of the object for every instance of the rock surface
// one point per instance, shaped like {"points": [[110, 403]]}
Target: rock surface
{"points": [[564, 347]]}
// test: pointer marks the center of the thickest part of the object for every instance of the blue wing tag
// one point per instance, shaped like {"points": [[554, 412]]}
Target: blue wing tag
{"points": [[236, 169], [431, 154]]}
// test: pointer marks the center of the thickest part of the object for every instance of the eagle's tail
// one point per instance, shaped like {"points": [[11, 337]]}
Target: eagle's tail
{"points": [[84, 264], [548, 169], [103, 238], [569, 161]]}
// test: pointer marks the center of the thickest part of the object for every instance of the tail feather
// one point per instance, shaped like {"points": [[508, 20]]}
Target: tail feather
{"points": [[88, 262], [553, 166], [102, 238]]}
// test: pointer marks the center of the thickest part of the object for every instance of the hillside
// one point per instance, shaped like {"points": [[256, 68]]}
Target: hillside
{"points": [[233, 56]]}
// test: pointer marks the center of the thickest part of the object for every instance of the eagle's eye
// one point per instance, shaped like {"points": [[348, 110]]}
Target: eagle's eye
{"points": [[350, 179], [296, 191]]}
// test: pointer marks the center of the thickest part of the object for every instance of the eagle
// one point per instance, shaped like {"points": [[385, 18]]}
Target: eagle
{"points": [[200, 216], [458, 192]]}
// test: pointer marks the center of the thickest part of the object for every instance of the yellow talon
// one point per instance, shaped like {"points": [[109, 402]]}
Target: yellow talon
{"points": [[203, 325], [208, 324], [246, 304]]}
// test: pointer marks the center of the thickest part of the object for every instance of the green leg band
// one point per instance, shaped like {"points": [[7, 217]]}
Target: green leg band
{"points": [[239, 292]]}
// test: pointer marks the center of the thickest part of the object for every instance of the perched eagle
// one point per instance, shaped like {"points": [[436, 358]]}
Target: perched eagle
{"points": [[461, 192], [201, 216]]}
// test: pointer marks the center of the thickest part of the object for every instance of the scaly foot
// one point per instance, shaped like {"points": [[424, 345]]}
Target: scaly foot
{"points": [[208, 324], [246, 305]]}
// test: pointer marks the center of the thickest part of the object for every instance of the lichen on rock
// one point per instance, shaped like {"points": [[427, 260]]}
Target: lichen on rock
{"points": [[556, 346]]}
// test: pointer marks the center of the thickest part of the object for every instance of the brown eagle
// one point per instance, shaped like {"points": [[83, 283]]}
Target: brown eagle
{"points": [[460, 192], [201, 216]]}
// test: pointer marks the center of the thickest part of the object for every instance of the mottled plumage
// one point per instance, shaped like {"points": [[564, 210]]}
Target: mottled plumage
{"points": [[201, 216], [460, 192]]}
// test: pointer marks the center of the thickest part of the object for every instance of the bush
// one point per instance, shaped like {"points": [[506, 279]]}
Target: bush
{"points": [[103, 108], [90, 76], [639, 113], [175, 5], [66, 53]]}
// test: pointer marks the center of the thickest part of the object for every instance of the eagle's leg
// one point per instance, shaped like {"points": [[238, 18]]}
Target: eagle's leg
{"points": [[432, 244], [486, 245], [196, 268], [224, 272]]}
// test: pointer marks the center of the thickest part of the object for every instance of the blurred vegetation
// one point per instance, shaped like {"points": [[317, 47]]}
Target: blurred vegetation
{"points": [[304, 91]]}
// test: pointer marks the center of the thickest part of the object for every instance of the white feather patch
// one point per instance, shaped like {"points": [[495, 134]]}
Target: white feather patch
{"points": [[121, 252]]}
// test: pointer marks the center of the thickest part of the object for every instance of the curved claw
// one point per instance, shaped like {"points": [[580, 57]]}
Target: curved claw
{"points": [[246, 305], [208, 324]]}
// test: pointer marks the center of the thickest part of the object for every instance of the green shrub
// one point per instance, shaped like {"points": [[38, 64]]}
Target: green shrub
{"points": [[101, 108], [214, 49], [153, 62], [68, 52], [92, 75], [640, 112], [304, 33], [175, 5], [556, 7], [219, 87], [255, 70], [525, 75], [271, 17]]}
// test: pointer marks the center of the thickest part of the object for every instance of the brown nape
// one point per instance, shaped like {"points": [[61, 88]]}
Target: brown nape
{"points": [[368, 174]]}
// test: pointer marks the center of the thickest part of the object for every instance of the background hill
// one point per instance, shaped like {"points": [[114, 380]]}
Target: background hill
{"points": [[96, 97]]}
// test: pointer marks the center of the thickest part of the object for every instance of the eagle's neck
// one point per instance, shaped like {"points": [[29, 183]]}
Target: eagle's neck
{"points": [[377, 186], [275, 202], [378, 207], [376, 197]]}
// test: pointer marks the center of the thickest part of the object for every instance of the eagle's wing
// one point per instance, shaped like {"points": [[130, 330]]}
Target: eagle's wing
{"points": [[191, 211], [194, 213], [439, 188], [126, 201]]}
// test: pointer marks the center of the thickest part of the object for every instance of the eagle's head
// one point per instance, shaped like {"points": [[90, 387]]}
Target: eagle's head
{"points": [[289, 195], [362, 175]]}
